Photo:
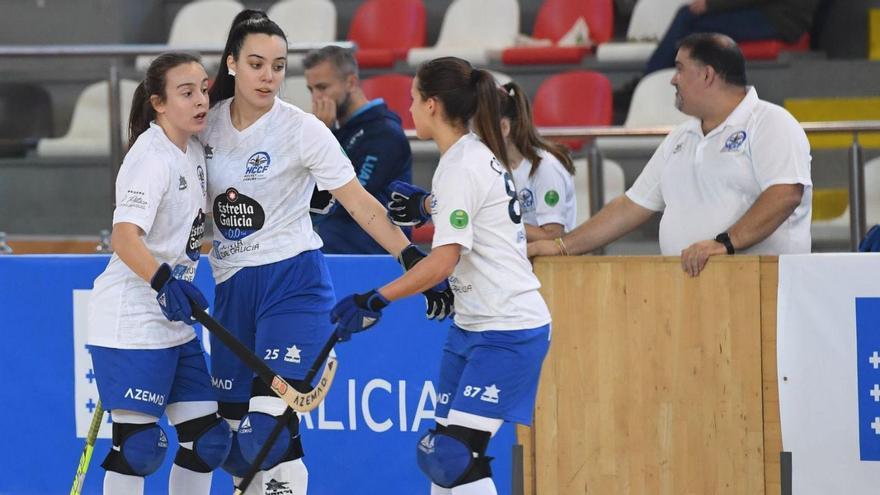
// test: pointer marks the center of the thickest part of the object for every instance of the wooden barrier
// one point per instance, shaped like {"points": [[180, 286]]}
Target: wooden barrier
{"points": [[54, 246], [656, 383]]}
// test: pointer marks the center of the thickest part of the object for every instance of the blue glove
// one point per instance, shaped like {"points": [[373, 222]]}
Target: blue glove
{"points": [[407, 205], [871, 242], [439, 300], [176, 297], [356, 313]]}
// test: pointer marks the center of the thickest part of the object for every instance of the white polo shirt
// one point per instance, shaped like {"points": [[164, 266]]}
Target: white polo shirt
{"points": [[704, 184]]}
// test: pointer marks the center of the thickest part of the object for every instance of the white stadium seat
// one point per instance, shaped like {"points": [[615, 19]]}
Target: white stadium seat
{"points": [[304, 21], [649, 22], [653, 105], [296, 92], [612, 177], [475, 30], [89, 132], [202, 23]]}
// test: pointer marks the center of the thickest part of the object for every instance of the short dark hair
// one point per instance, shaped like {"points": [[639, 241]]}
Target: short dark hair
{"points": [[341, 58], [719, 52]]}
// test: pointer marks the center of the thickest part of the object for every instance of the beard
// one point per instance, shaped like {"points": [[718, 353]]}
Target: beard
{"points": [[342, 107]]}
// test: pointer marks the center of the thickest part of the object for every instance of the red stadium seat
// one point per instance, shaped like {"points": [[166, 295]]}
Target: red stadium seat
{"points": [[423, 234], [555, 18], [385, 30], [770, 49], [395, 90], [575, 98]]}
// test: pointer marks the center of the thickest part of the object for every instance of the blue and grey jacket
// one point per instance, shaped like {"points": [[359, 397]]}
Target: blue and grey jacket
{"points": [[375, 143]]}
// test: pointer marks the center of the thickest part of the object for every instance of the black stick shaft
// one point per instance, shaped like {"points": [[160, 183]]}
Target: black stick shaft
{"points": [[246, 355], [285, 418]]}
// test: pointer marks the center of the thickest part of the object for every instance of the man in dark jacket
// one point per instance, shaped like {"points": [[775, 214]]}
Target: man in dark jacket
{"points": [[371, 136], [742, 20]]}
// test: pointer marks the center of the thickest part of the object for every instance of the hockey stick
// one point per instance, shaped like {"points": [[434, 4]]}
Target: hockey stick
{"points": [[281, 422], [295, 399], [86, 456]]}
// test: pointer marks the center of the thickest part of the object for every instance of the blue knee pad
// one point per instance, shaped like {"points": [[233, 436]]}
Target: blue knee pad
{"points": [[213, 445], [211, 439], [235, 463], [254, 431], [140, 449], [453, 456]]}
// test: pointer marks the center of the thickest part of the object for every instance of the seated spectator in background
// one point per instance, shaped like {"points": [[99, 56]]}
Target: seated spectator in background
{"points": [[742, 20], [371, 136], [542, 170], [733, 179]]}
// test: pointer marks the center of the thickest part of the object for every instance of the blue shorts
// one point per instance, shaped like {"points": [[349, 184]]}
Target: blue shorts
{"points": [[280, 311], [147, 380], [492, 373]]}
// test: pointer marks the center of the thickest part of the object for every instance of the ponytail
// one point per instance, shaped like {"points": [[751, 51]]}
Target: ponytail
{"points": [[524, 136], [466, 93], [487, 121], [142, 111], [246, 22]]}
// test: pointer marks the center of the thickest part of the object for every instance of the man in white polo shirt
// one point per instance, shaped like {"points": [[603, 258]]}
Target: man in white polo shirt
{"points": [[734, 179]]}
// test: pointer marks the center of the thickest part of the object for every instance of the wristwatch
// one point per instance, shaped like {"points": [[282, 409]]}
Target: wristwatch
{"points": [[724, 238]]}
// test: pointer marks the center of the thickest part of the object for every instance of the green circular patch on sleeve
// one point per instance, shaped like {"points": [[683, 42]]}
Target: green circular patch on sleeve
{"points": [[458, 219], [551, 198]]}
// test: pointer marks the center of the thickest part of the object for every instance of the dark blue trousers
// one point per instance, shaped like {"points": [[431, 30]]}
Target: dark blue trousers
{"points": [[740, 24]]}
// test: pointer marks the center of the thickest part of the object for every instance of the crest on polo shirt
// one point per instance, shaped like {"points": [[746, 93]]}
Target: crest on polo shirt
{"points": [[735, 141]]}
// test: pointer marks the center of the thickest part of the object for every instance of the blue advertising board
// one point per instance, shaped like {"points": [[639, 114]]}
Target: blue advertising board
{"points": [[360, 441]]}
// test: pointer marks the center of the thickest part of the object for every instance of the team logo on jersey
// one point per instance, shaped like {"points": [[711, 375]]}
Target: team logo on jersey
{"points": [[677, 148], [209, 152], [490, 394], [458, 219], [293, 355], [257, 166], [527, 199], [735, 141], [236, 215], [551, 198], [181, 183], [194, 243]]}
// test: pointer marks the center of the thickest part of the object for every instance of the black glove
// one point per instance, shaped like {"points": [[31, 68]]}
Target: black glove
{"points": [[439, 300]]}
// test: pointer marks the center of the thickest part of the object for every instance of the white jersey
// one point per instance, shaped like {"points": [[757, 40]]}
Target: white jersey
{"points": [[262, 180], [704, 184], [161, 190], [548, 195], [475, 205]]}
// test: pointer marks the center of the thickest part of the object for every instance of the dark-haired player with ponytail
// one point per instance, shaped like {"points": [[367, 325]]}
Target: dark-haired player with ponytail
{"points": [[147, 359], [492, 358], [542, 170], [265, 158]]}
